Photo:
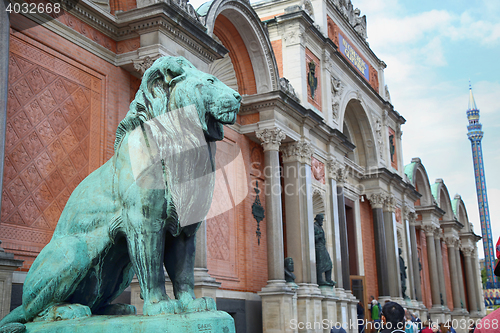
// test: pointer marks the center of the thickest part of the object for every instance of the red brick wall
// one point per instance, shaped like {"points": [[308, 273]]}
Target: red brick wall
{"points": [[369, 258], [278, 53], [234, 256], [238, 53], [61, 122]]}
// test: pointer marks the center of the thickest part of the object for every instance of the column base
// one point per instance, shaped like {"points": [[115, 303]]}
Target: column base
{"points": [[204, 284], [459, 320], [279, 308], [439, 313], [329, 306]]}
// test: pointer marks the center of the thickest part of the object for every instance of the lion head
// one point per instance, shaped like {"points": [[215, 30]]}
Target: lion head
{"points": [[172, 83]]}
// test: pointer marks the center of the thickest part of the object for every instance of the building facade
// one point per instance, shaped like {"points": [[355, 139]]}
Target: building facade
{"points": [[316, 134]]}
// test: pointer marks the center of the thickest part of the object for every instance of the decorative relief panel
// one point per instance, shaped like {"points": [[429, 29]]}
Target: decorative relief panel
{"points": [[47, 143], [318, 170], [313, 77]]}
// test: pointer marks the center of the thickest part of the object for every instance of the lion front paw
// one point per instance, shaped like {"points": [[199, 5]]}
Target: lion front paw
{"points": [[200, 304], [63, 312], [161, 307]]}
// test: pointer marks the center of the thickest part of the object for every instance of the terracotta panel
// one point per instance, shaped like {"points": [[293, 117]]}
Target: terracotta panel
{"points": [[14, 70], [52, 214], [42, 196], [68, 140], [7, 204], [16, 219], [58, 91], [58, 121], [17, 190], [35, 80], [70, 85], [9, 172], [21, 124], [31, 177], [34, 112], [29, 211], [78, 158], [80, 100], [69, 110], [19, 157], [12, 103], [41, 223], [48, 75], [55, 182], [46, 132], [63, 198], [11, 136], [24, 64], [23, 91], [56, 152], [79, 129], [44, 164], [46, 101], [67, 170], [33, 144]]}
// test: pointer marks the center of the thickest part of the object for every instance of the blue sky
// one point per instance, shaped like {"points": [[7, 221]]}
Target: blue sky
{"points": [[432, 49]]}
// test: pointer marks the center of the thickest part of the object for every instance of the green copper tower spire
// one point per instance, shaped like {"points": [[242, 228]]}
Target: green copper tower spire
{"points": [[475, 135]]}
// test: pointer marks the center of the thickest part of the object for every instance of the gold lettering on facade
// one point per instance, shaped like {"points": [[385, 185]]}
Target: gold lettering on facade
{"points": [[354, 57]]}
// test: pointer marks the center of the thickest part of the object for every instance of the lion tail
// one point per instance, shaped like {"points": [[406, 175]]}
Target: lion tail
{"points": [[13, 322], [13, 328]]}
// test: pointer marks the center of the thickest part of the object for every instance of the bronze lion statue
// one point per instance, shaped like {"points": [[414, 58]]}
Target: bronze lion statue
{"points": [[140, 211]]}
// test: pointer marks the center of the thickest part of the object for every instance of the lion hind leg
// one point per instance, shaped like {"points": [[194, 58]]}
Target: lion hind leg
{"points": [[13, 322], [54, 275]]}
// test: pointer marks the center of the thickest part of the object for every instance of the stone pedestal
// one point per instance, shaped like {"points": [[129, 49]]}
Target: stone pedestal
{"points": [[205, 321], [135, 293], [7, 265], [279, 309], [309, 308], [459, 317], [329, 306]]}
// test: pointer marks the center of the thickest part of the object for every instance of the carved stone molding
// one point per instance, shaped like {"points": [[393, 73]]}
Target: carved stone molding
{"points": [[337, 171], [271, 138], [438, 234], [297, 151], [288, 89], [353, 16], [390, 204], [380, 139], [377, 200], [409, 214], [143, 64], [337, 90]]}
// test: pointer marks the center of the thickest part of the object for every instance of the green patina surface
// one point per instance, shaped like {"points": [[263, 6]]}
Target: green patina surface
{"points": [[410, 171], [138, 213], [202, 322], [435, 193]]}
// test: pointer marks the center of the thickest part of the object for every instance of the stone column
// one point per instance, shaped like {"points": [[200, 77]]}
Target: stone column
{"points": [[440, 263], [455, 286], [460, 275], [471, 288], [431, 256], [333, 169], [300, 227], [414, 255], [204, 284], [271, 140], [277, 297], [477, 279], [391, 240], [7, 265], [344, 245], [377, 202], [4, 82]]}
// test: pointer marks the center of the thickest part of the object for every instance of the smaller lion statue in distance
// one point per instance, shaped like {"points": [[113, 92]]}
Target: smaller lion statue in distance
{"points": [[140, 211]]}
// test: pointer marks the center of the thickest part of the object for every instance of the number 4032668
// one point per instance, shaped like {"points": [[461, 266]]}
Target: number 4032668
{"points": [[34, 8]]}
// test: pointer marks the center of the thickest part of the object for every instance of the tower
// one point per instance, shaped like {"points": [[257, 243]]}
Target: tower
{"points": [[475, 135]]}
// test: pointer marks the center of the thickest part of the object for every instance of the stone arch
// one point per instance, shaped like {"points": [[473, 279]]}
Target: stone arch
{"points": [[239, 28], [418, 177], [318, 202], [461, 212], [442, 197], [357, 126]]}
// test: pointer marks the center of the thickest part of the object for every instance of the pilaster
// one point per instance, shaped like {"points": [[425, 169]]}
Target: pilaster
{"points": [[377, 202], [437, 308], [391, 244], [440, 264], [4, 83], [7, 266], [471, 288]]}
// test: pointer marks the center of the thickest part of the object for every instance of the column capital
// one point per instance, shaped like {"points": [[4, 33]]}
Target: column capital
{"points": [[377, 199], [438, 233], [390, 204], [467, 250], [450, 240], [271, 138], [297, 151], [429, 229], [336, 171], [409, 213]]}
